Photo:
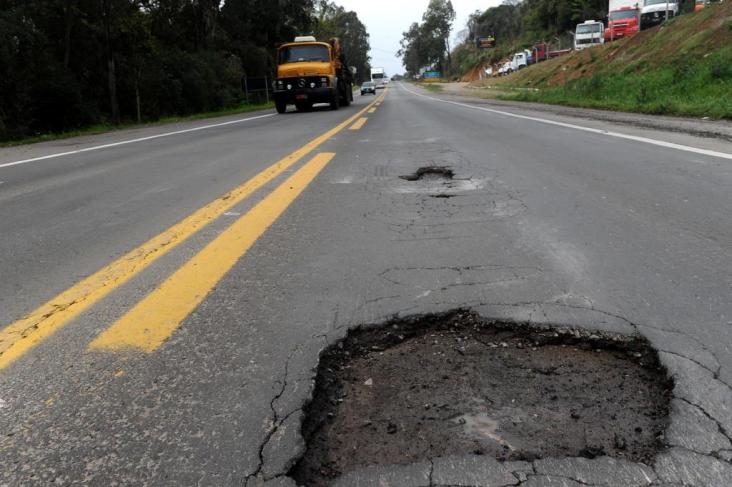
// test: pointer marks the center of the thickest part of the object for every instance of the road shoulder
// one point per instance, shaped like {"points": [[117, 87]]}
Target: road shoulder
{"points": [[714, 129]]}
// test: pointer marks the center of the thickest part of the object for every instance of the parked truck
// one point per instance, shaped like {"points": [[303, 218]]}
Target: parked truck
{"points": [[588, 34], [655, 12], [623, 19], [543, 52], [521, 59], [310, 72]]}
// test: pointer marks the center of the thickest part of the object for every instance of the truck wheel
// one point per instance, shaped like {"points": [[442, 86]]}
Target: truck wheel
{"points": [[281, 106], [335, 102], [346, 100]]}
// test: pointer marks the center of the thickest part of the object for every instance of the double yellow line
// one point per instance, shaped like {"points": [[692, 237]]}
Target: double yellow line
{"points": [[149, 323]]}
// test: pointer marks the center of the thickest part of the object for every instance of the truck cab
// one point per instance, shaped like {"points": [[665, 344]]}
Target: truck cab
{"points": [[520, 60], [621, 23], [655, 12], [310, 72], [588, 34]]}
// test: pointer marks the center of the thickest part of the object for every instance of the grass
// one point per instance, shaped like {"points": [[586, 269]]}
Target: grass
{"points": [[108, 127], [434, 88], [697, 88]]}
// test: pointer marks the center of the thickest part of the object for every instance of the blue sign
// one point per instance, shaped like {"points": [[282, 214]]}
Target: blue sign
{"points": [[433, 74]]}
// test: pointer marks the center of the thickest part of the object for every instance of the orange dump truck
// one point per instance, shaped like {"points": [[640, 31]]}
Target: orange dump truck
{"points": [[310, 72]]}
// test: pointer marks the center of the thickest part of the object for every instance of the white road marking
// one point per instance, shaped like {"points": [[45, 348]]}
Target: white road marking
{"points": [[661, 143], [133, 141]]}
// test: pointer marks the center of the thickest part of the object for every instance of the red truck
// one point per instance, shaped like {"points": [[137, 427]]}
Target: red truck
{"points": [[621, 23], [542, 52]]}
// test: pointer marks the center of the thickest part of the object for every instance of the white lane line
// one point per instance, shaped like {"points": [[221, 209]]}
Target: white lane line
{"points": [[133, 141], [661, 143]]}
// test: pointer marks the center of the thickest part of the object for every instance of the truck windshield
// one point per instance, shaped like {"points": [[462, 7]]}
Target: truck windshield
{"points": [[657, 2], [623, 14], [301, 54], [377, 76], [588, 29]]}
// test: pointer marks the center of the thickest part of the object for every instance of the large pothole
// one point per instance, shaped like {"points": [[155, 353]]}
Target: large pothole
{"points": [[454, 384], [430, 173]]}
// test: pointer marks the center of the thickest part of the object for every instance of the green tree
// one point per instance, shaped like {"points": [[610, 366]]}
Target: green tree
{"points": [[428, 43], [66, 64], [335, 21], [437, 25]]}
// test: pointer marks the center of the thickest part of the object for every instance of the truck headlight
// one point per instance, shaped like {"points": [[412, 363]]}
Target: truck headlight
{"points": [[312, 85], [289, 87]]}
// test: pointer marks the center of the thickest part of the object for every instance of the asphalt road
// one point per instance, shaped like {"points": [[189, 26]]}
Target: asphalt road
{"points": [[157, 333]]}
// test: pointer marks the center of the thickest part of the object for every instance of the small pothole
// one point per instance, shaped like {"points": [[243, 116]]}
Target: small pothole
{"points": [[430, 172], [455, 384], [443, 196]]}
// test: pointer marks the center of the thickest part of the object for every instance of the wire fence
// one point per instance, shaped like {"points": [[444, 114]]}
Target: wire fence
{"points": [[257, 90]]}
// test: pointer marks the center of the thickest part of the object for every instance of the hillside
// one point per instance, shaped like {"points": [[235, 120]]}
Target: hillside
{"points": [[682, 68]]}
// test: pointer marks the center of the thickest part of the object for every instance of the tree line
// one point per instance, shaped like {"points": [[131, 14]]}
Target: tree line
{"points": [[427, 43], [69, 64]]}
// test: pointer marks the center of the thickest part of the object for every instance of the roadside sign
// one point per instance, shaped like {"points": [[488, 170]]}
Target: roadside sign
{"points": [[486, 42], [432, 74]]}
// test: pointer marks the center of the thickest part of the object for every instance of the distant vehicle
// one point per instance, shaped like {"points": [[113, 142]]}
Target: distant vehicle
{"points": [[623, 22], [702, 4], [329, 79], [655, 12], [520, 60], [378, 76], [368, 87], [588, 34]]}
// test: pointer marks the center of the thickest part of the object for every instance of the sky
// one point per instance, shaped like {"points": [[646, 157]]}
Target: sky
{"points": [[386, 20]]}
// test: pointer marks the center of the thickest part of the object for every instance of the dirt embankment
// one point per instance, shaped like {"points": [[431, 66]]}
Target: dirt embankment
{"points": [[682, 41]]}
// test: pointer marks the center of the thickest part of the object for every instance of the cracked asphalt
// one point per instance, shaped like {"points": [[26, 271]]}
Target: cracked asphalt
{"points": [[540, 223]]}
